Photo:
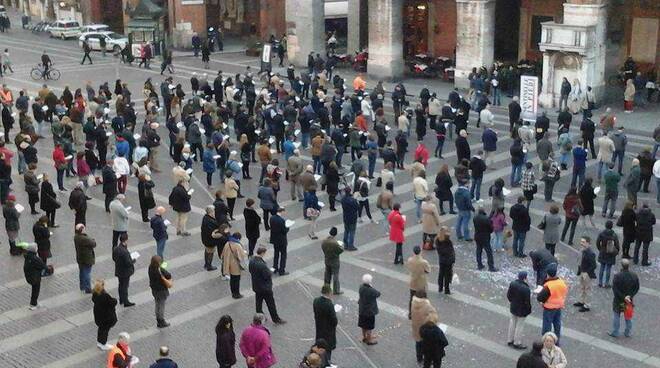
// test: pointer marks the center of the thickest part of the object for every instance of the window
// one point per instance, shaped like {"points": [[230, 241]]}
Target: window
{"points": [[535, 37]]}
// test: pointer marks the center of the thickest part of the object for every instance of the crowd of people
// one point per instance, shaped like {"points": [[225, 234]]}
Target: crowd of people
{"points": [[225, 124]]}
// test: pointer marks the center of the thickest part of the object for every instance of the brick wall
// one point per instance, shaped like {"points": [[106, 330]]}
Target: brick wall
{"points": [[442, 28], [529, 9], [193, 14], [271, 18]]}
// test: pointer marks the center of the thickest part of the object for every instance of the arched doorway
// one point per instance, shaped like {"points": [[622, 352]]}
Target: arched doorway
{"points": [[507, 29], [415, 27]]}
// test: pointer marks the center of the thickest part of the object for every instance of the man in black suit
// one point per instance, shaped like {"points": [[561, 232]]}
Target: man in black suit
{"points": [[325, 319], [124, 268], [278, 232], [262, 285], [109, 184]]}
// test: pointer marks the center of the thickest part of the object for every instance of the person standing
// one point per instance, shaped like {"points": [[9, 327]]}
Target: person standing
{"points": [[580, 157], [78, 203], [489, 139], [252, 222], [433, 342], [179, 199], [608, 248], [620, 142], [146, 195], [572, 210], [124, 269], [520, 224], [268, 201], [605, 153], [42, 238], [109, 183], [553, 296], [85, 257], [278, 237], [12, 223], [418, 268], [225, 342], [48, 201], [624, 286], [367, 309], [420, 311], [645, 221], [262, 285], [119, 216], [514, 113], [256, 346], [483, 229], [325, 321], [159, 229], [586, 272], [105, 316], [210, 237], [533, 358], [520, 306], [611, 179], [350, 208], [331, 251], [159, 281], [233, 258], [397, 223], [477, 167], [550, 226], [552, 354], [633, 180], [465, 209], [588, 128], [33, 269]]}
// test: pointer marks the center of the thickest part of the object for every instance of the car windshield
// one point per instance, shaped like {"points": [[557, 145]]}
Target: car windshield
{"points": [[114, 36]]}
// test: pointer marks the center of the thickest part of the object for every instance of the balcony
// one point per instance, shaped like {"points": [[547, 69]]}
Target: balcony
{"points": [[567, 38]]}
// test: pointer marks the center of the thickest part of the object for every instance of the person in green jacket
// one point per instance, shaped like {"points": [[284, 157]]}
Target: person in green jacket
{"points": [[331, 251]]}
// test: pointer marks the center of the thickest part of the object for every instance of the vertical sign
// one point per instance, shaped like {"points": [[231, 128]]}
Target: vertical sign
{"points": [[265, 58], [529, 98]]}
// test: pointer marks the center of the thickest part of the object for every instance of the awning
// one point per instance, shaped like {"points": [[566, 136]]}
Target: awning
{"points": [[336, 9]]}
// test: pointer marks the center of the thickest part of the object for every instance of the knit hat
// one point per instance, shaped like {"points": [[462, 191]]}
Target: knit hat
{"points": [[333, 231], [522, 275], [551, 270]]}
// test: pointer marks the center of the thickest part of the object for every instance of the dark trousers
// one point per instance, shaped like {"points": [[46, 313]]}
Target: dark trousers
{"points": [[279, 258], [590, 143], [80, 217], [235, 284], [115, 237], [231, 202], [86, 57], [60, 179], [332, 274], [123, 289], [418, 351], [108, 198], [444, 277], [398, 255], [365, 205], [34, 295], [569, 222], [144, 211], [266, 223], [645, 251], [432, 361], [102, 334], [51, 217], [266, 296], [412, 293], [252, 243], [625, 245], [551, 248], [485, 246]]}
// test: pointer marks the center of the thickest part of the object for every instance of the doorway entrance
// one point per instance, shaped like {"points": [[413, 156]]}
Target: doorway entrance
{"points": [[507, 27], [415, 27]]}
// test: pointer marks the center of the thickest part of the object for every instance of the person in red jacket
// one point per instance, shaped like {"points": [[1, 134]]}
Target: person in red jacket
{"points": [[60, 165], [422, 153], [397, 223]]}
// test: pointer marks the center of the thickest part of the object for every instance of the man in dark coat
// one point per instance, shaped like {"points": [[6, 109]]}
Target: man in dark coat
{"points": [[325, 320], [278, 231], [85, 257], [482, 230], [645, 221], [109, 184], [179, 199], [164, 361], [350, 207], [331, 251], [533, 359], [541, 259], [124, 268], [520, 225], [586, 272], [209, 225], [262, 285], [542, 125], [78, 203], [33, 268], [624, 286], [520, 306], [514, 113]]}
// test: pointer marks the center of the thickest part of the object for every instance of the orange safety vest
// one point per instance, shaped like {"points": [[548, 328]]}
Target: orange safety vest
{"points": [[111, 356], [5, 96], [558, 291]]}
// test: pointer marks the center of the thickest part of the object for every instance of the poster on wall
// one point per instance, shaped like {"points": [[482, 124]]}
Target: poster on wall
{"points": [[265, 58], [192, 2], [529, 97]]}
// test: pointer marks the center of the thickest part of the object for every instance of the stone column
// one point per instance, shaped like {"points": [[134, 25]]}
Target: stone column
{"points": [[475, 36], [353, 36], [305, 24], [385, 39]]}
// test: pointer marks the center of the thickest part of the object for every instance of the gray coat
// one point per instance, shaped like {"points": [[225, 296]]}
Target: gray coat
{"points": [[543, 148], [119, 216], [267, 197], [620, 141], [551, 231]]}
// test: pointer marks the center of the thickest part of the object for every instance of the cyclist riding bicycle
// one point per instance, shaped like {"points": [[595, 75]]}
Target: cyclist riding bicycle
{"points": [[46, 63]]}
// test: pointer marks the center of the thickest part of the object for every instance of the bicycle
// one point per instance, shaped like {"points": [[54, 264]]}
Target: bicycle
{"points": [[38, 73]]}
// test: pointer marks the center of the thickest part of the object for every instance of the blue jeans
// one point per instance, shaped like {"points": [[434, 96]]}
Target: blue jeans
{"points": [[497, 240], [605, 269], [475, 189], [386, 224], [496, 96], [418, 208], [160, 247], [305, 140], [656, 145], [60, 178], [563, 158], [518, 244], [578, 175], [552, 318], [21, 162], [601, 166], [85, 276], [439, 145], [317, 164], [516, 174], [616, 323], [340, 154], [618, 156], [463, 224], [372, 166], [349, 235]]}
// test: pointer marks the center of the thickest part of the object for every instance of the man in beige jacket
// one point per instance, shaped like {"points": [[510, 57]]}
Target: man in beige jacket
{"points": [[294, 167], [418, 268]]}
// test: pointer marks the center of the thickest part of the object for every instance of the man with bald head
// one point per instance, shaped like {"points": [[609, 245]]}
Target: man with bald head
{"points": [[159, 228], [85, 257]]}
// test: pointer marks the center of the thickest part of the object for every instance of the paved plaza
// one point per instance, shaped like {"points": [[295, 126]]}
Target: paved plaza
{"points": [[62, 334]]}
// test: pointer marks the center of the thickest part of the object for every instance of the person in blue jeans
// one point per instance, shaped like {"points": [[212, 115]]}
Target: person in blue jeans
{"points": [[624, 287], [553, 296], [350, 208], [159, 228], [464, 205], [84, 245], [477, 167], [608, 248], [579, 164], [520, 224], [517, 162]]}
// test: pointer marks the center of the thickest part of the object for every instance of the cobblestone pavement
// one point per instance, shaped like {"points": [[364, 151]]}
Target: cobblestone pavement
{"points": [[63, 333]]}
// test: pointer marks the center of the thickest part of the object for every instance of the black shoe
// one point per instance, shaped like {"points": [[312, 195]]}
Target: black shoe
{"points": [[128, 304], [237, 296], [279, 321], [284, 273], [480, 268], [162, 324], [646, 264], [493, 269], [519, 347], [210, 268], [510, 343], [35, 213], [578, 304], [452, 212], [584, 309], [469, 239], [338, 293], [145, 220]]}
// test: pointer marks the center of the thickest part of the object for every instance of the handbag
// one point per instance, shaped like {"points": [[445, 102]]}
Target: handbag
{"points": [[542, 224], [628, 311], [166, 282], [379, 182], [535, 189]]}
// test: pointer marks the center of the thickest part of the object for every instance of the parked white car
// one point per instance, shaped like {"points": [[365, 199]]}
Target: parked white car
{"points": [[64, 29], [114, 42], [95, 28]]}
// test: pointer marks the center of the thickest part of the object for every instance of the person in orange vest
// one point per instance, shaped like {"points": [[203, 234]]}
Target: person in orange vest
{"points": [[359, 84], [119, 355], [553, 298]]}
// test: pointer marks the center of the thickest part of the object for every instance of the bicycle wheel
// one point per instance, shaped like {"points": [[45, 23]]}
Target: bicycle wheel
{"points": [[54, 74], [36, 74]]}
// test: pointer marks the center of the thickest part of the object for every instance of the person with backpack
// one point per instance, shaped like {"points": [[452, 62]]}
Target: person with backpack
{"points": [[608, 248], [572, 209], [551, 175]]}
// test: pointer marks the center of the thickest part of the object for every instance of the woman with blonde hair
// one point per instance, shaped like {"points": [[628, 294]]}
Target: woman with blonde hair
{"points": [[246, 153], [105, 316], [446, 259]]}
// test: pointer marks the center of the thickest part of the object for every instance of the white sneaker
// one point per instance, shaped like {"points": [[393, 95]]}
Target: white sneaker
{"points": [[100, 346], [106, 347], [225, 277], [33, 307]]}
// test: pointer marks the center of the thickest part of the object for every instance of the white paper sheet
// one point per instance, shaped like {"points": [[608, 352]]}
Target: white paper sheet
{"points": [[19, 207], [289, 223], [191, 191], [135, 255]]}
